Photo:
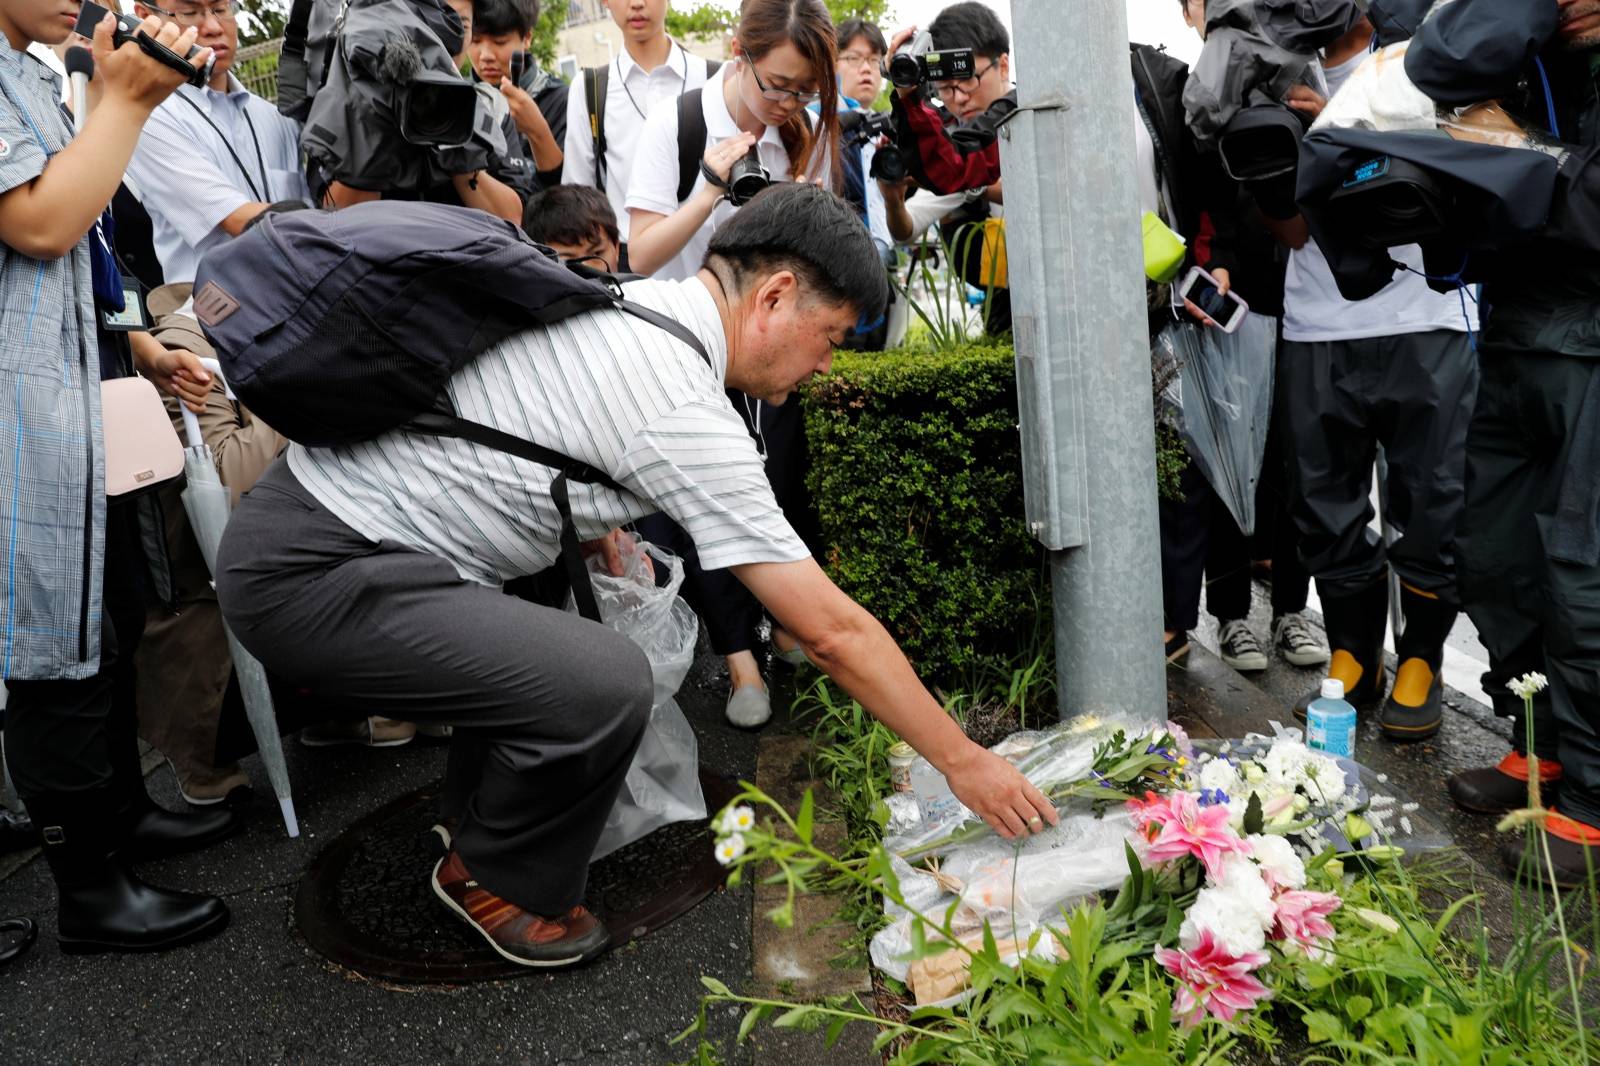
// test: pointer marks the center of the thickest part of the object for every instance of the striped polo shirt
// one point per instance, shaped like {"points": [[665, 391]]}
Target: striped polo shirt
{"points": [[602, 387]]}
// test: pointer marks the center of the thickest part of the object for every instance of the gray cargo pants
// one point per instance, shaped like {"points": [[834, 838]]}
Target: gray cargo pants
{"points": [[550, 706]]}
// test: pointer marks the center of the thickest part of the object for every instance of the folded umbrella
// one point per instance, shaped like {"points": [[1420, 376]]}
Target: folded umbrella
{"points": [[206, 501]]}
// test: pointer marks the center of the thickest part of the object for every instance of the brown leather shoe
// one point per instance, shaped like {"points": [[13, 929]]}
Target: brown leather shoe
{"points": [[517, 935]]}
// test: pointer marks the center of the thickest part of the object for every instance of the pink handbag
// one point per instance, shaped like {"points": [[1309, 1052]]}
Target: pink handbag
{"points": [[142, 450]]}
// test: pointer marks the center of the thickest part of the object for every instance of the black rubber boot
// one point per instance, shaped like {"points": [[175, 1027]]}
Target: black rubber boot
{"points": [[1416, 704], [1503, 788], [1355, 625], [103, 906]]}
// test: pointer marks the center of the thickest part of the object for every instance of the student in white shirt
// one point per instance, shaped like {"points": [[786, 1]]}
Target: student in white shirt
{"points": [[608, 105], [784, 58], [371, 574]]}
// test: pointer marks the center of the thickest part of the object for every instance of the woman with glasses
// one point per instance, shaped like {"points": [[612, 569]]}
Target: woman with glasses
{"points": [[784, 59]]}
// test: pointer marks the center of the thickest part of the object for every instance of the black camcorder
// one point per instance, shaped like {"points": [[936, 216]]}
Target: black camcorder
{"points": [[1262, 141], [747, 178], [916, 63], [90, 15], [1387, 202], [857, 128]]}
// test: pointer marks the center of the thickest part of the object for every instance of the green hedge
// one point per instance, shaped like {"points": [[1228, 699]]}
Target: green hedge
{"points": [[916, 471]]}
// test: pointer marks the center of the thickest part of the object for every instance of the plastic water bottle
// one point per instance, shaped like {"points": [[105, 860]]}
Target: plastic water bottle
{"points": [[1331, 721]]}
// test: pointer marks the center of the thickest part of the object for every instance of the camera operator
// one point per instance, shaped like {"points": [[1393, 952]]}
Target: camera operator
{"points": [[69, 629], [1530, 533], [211, 159], [536, 99], [503, 188], [1395, 371], [954, 154]]}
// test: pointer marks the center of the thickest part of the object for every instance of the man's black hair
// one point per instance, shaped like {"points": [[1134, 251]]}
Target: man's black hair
{"points": [[491, 18], [850, 29], [569, 214], [799, 227], [970, 25]]}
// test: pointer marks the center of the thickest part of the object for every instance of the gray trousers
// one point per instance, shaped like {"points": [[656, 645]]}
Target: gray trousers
{"points": [[1413, 393], [548, 708]]}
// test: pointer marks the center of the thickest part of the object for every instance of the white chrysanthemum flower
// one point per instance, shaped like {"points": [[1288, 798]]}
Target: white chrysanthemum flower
{"points": [[1277, 859], [1525, 686], [1291, 765], [729, 849], [1221, 774], [1238, 909], [741, 819]]}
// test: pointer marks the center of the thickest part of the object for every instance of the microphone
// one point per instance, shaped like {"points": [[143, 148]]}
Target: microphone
{"points": [[80, 68]]}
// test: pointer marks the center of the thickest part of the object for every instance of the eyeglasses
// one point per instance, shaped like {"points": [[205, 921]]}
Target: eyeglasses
{"points": [[857, 59], [966, 86], [226, 11], [778, 96]]}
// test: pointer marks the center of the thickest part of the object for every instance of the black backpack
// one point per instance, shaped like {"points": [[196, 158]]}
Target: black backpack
{"points": [[336, 327], [595, 82]]}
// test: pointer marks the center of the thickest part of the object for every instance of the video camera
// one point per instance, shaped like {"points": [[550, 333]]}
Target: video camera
{"points": [[127, 29], [384, 107], [916, 63], [857, 128]]}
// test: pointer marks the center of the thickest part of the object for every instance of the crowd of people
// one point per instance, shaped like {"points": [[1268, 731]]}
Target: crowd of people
{"points": [[409, 583]]}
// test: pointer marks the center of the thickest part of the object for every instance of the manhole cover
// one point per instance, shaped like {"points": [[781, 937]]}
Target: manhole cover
{"points": [[366, 903]]}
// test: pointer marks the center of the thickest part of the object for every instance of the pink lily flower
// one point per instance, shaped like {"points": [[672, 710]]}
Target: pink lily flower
{"points": [[1213, 981], [1175, 825], [1303, 919]]}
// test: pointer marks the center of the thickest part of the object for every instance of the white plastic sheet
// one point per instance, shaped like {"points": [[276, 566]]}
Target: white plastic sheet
{"points": [[663, 784]]}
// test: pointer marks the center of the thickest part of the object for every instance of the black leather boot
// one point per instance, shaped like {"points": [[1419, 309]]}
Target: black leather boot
{"points": [[103, 906], [148, 831], [1355, 626]]}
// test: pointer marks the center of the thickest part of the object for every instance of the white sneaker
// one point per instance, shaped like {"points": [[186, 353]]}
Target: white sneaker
{"points": [[1239, 647], [1293, 638], [749, 707]]}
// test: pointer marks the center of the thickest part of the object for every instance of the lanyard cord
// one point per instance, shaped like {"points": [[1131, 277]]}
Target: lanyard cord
{"points": [[636, 108], [263, 194], [1463, 291]]}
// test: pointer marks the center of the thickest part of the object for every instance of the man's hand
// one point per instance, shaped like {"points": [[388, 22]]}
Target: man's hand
{"points": [[1224, 283], [896, 191], [997, 792], [524, 111], [900, 40], [609, 548], [175, 371], [129, 75], [1306, 100]]}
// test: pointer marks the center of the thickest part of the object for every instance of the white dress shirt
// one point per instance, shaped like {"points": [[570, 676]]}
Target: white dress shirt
{"points": [[189, 181], [631, 93]]}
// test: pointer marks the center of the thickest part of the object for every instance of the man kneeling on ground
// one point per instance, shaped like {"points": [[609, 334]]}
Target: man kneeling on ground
{"points": [[371, 574]]}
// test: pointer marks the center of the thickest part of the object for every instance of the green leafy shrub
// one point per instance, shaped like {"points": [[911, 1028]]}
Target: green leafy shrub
{"points": [[916, 471]]}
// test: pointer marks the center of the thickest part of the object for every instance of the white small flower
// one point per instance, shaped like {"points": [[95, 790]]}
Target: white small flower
{"points": [[1525, 686], [742, 819], [1220, 774], [730, 848]]}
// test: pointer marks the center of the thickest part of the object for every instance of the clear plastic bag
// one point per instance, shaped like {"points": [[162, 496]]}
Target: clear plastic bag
{"points": [[1223, 397], [663, 784]]}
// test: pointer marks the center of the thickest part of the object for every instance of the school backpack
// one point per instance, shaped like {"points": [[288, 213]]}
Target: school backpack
{"points": [[336, 327], [595, 84]]}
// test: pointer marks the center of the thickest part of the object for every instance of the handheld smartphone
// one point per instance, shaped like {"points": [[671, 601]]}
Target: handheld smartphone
{"points": [[519, 67], [1223, 308], [89, 16]]}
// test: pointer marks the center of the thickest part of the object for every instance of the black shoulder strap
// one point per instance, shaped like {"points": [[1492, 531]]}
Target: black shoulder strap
{"points": [[691, 141], [594, 94], [443, 423], [712, 66]]}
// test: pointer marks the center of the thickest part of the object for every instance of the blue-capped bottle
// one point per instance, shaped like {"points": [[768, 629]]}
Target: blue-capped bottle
{"points": [[1331, 721]]}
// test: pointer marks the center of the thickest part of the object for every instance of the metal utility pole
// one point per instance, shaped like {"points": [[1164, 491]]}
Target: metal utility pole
{"points": [[1083, 353]]}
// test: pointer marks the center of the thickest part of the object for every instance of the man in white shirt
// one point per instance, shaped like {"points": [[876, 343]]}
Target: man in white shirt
{"points": [[1396, 370], [371, 574], [211, 159], [607, 107]]}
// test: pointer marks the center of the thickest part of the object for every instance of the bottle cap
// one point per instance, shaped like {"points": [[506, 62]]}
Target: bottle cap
{"points": [[1332, 689], [902, 750]]}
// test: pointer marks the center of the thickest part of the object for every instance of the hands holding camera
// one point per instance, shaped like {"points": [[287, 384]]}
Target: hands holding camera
{"points": [[133, 77], [719, 160]]}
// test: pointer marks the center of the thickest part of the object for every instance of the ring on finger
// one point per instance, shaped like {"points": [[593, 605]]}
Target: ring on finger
{"points": [[1036, 821]]}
